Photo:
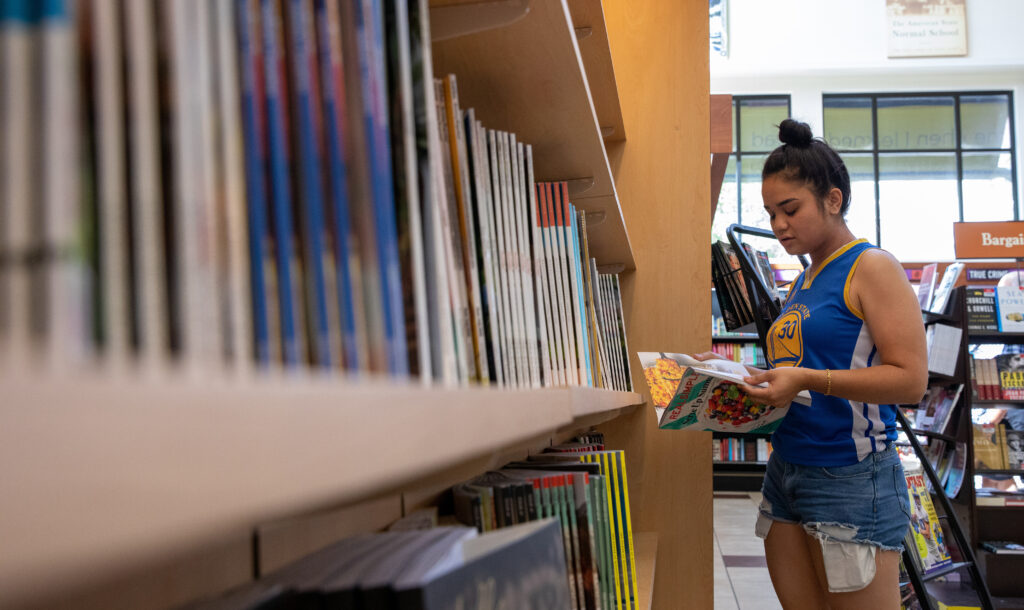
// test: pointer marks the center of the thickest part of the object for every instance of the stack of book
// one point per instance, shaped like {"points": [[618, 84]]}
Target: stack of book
{"points": [[732, 291], [429, 569], [281, 184], [586, 489], [998, 378]]}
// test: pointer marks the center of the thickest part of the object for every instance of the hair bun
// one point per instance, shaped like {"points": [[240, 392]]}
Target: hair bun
{"points": [[795, 133]]}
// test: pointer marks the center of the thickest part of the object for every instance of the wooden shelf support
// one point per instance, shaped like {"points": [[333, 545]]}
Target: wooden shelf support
{"points": [[452, 21]]}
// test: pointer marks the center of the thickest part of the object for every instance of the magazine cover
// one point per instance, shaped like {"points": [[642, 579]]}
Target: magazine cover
{"points": [[693, 395], [929, 542]]}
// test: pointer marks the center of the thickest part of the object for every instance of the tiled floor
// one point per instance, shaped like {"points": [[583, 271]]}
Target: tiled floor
{"points": [[741, 576]]}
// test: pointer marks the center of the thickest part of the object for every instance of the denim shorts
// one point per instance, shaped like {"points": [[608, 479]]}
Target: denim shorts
{"points": [[865, 503]]}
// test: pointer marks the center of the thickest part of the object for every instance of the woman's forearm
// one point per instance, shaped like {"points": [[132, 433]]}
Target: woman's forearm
{"points": [[882, 384]]}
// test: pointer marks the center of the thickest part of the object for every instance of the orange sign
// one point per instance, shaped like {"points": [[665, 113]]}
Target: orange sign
{"points": [[989, 239]]}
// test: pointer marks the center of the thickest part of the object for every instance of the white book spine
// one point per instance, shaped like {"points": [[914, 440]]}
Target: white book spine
{"points": [[511, 255], [525, 264], [67, 328], [576, 301], [232, 181], [537, 279], [151, 300], [555, 284], [419, 280], [486, 233], [500, 260], [564, 285], [113, 223]]}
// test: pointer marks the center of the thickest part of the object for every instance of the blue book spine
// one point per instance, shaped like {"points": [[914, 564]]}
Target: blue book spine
{"points": [[574, 226], [273, 58], [369, 17], [255, 178], [312, 195], [338, 173]]}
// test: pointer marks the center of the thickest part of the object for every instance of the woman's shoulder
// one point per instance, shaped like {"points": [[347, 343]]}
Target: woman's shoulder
{"points": [[876, 260]]}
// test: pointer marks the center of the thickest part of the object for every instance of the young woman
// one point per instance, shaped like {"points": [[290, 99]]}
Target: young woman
{"points": [[835, 507]]}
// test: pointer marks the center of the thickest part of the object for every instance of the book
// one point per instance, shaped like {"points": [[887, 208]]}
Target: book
{"points": [[957, 470], [981, 309], [926, 286], [928, 540], [691, 395], [1010, 309], [943, 343], [1002, 547], [1011, 376], [987, 453], [1014, 449], [950, 277]]}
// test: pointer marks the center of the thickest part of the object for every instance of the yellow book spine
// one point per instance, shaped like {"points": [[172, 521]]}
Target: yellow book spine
{"points": [[628, 523], [620, 540], [612, 538]]}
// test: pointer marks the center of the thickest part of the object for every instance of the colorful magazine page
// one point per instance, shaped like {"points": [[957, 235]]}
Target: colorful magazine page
{"points": [[689, 397], [929, 542]]}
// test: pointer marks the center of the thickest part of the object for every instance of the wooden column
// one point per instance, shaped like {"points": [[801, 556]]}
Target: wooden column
{"points": [[660, 54]]}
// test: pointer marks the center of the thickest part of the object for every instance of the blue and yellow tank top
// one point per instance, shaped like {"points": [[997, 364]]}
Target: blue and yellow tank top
{"points": [[819, 329]]}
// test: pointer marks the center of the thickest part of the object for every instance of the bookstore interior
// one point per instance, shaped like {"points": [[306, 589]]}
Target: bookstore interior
{"points": [[360, 303]]}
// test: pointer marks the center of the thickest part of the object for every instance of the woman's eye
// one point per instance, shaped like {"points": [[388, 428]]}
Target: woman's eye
{"points": [[790, 212]]}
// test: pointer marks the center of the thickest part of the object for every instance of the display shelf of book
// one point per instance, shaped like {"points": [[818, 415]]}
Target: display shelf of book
{"points": [[1012, 404], [740, 465], [106, 472], [984, 336], [930, 317], [1001, 471], [529, 78]]}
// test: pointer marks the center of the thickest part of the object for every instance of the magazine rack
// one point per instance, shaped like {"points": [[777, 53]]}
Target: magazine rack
{"points": [[952, 524], [765, 307]]}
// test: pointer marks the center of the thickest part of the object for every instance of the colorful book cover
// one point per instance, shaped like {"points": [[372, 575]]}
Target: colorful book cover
{"points": [[926, 285], [369, 23], [346, 255], [315, 246], [1010, 309], [950, 277], [981, 309], [280, 181], [925, 529], [690, 395]]}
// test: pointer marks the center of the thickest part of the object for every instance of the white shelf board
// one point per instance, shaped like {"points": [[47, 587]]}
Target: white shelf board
{"points": [[103, 473]]}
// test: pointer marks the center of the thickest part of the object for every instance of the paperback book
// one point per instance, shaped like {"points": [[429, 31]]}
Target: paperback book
{"points": [[693, 395]]}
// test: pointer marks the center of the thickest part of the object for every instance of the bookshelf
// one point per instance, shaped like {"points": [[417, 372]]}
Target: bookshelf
{"points": [[140, 487], [1002, 572]]}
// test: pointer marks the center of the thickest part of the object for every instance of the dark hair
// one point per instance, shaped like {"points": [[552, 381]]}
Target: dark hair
{"points": [[807, 159]]}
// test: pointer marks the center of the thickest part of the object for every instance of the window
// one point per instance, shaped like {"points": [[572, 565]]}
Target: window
{"points": [[920, 161], [755, 133]]}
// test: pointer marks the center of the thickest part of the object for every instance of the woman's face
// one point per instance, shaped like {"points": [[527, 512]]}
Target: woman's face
{"points": [[797, 217]]}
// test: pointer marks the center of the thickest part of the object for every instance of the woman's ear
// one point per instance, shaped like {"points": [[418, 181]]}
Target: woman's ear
{"points": [[834, 201]]}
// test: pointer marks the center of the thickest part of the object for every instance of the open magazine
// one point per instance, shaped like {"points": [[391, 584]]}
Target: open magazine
{"points": [[689, 394]]}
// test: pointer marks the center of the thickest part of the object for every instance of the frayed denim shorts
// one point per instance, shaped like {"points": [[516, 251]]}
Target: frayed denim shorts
{"points": [[864, 503]]}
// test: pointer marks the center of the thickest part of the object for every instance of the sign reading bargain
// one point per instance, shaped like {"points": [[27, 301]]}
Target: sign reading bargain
{"points": [[989, 239]]}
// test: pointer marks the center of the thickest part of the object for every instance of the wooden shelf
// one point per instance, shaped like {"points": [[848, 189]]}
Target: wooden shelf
{"points": [[106, 472], [646, 553], [597, 61], [737, 338], [528, 78]]}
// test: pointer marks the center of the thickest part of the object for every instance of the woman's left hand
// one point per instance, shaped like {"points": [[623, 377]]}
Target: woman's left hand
{"points": [[783, 385]]}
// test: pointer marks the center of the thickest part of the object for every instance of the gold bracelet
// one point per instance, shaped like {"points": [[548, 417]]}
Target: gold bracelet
{"points": [[828, 382]]}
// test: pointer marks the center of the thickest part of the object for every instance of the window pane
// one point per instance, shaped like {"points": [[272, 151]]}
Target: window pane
{"points": [[728, 211], [988, 187], [848, 123], [861, 215], [759, 123], [985, 121], [752, 211], [915, 123], [918, 205]]}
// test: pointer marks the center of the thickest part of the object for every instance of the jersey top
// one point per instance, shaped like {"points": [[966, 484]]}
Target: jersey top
{"points": [[820, 329]]}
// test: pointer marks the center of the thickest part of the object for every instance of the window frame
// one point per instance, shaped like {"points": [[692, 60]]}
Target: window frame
{"points": [[957, 150], [737, 152]]}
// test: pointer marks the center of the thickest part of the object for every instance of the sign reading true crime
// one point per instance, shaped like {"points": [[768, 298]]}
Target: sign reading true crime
{"points": [[989, 239]]}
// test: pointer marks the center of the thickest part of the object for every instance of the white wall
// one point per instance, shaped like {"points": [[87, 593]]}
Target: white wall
{"points": [[805, 48]]}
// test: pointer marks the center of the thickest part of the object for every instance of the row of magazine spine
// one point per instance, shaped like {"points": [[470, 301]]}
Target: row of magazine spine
{"points": [[280, 183], [585, 487]]}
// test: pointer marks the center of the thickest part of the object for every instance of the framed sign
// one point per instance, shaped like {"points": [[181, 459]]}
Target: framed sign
{"points": [[989, 239], [926, 28]]}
